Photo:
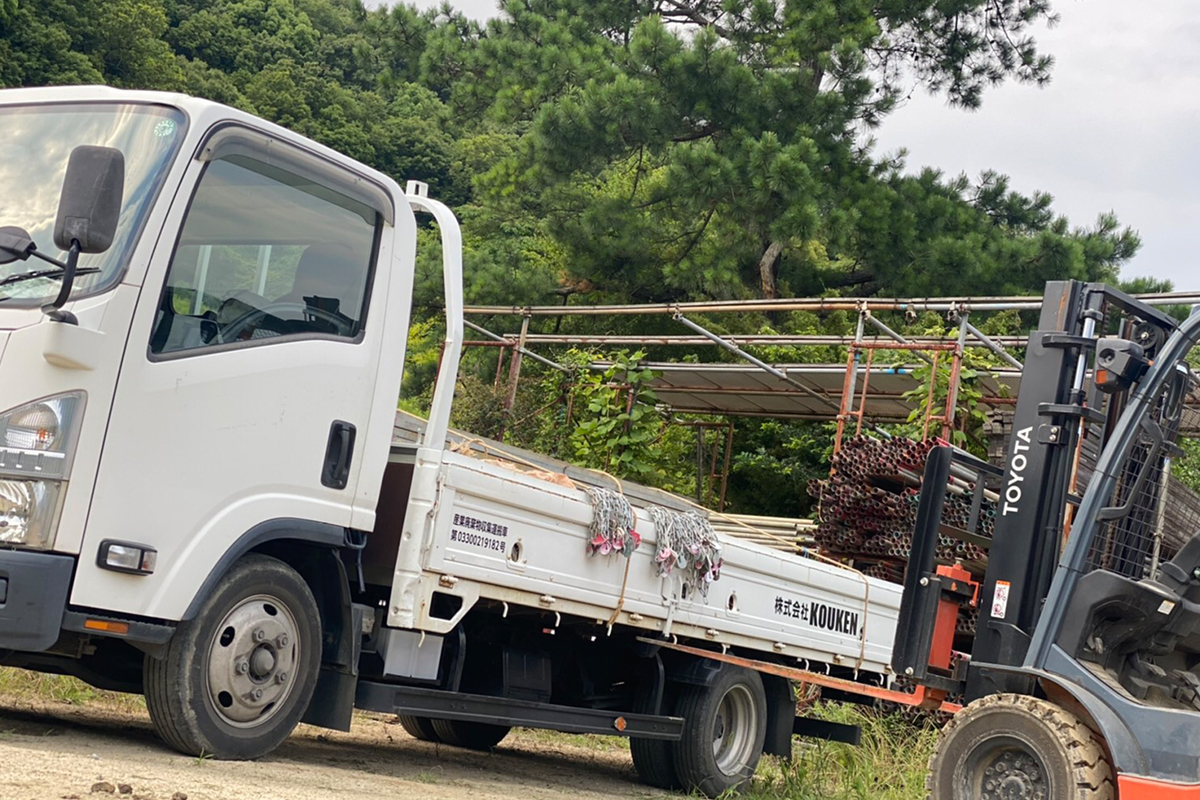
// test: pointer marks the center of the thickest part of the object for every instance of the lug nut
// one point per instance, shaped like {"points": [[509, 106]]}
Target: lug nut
{"points": [[259, 635], [243, 667], [283, 640], [258, 694], [281, 677]]}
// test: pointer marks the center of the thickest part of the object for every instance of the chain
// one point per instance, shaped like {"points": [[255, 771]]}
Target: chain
{"points": [[687, 541], [612, 523]]}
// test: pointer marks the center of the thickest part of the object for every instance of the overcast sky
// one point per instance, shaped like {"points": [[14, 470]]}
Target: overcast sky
{"points": [[1113, 131]]}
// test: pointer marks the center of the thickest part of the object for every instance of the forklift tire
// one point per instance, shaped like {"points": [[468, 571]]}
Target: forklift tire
{"points": [[653, 759], [420, 728], [469, 735], [1018, 747], [236, 679], [724, 727]]}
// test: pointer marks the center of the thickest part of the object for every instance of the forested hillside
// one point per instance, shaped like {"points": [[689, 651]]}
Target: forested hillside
{"points": [[641, 150], [629, 150]]}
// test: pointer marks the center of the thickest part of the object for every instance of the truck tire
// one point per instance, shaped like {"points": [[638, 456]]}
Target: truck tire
{"points": [[653, 759], [1018, 748], [725, 724], [420, 728], [471, 735], [236, 679]]}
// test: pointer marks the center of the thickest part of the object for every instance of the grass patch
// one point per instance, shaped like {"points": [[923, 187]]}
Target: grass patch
{"points": [[587, 741], [30, 687], [890, 764]]}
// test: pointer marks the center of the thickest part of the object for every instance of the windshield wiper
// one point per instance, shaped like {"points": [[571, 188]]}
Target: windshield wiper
{"points": [[57, 272]]}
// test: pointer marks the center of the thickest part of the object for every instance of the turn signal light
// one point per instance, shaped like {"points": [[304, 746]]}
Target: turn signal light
{"points": [[135, 559], [106, 626]]}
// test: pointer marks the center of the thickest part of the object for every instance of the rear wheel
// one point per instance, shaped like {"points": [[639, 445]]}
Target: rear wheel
{"points": [[236, 679], [471, 735], [420, 728], [653, 759], [1015, 747], [724, 727]]}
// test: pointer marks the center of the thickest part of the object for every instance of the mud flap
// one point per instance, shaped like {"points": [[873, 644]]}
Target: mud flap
{"points": [[781, 711]]}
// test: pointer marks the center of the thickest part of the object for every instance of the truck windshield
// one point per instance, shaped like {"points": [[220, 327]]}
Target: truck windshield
{"points": [[38, 140]]}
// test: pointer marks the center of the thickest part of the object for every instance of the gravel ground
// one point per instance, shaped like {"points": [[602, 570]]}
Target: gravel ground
{"points": [[51, 751]]}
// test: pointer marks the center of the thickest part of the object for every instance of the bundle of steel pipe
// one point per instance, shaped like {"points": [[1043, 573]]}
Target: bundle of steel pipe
{"points": [[867, 509], [968, 621]]}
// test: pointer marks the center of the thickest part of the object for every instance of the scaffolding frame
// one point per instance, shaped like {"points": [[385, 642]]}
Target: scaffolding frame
{"points": [[852, 407]]}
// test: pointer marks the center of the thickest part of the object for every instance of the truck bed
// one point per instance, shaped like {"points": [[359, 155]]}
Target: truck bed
{"points": [[503, 532]]}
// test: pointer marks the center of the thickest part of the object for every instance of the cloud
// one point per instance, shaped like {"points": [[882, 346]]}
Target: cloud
{"points": [[1112, 132], [475, 9]]}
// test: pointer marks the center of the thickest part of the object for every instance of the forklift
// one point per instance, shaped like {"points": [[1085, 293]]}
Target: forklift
{"points": [[1082, 680]]}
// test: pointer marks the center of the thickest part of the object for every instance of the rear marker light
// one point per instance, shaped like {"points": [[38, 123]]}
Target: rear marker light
{"points": [[134, 559]]}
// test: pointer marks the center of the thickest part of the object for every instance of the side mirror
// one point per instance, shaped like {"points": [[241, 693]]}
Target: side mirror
{"points": [[15, 244], [90, 204]]}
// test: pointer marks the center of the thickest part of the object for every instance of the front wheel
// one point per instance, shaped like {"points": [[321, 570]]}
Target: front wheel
{"points": [[1015, 747], [236, 679]]}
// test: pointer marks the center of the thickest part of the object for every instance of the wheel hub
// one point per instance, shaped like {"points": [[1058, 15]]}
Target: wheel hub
{"points": [[262, 662], [1013, 775], [253, 654], [734, 730]]}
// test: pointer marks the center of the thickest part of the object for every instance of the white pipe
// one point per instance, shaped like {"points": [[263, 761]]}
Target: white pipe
{"points": [[443, 395]]}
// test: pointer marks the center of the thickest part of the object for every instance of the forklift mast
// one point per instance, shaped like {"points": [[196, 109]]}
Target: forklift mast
{"points": [[1035, 480], [1035, 491], [1058, 400]]}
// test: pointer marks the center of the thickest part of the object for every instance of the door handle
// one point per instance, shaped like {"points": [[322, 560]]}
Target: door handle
{"points": [[339, 452]]}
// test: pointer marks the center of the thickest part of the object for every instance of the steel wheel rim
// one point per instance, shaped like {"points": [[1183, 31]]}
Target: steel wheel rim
{"points": [[734, 729], [252, 661], [1004, 768]]}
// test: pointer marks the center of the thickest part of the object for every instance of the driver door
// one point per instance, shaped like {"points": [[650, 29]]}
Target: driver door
{"points": [[249, 373]]}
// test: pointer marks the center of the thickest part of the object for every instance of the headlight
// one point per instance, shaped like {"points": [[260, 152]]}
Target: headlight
{"points": [[37, 442], [28, 512]]}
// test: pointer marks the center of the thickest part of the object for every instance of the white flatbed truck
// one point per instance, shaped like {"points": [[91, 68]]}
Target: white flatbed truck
{"points": [[202, 497]]}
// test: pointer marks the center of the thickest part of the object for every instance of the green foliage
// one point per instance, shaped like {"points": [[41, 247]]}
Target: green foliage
{"points": [[642, 150], [1187, 467], [605, 151], [773, 463], [618, 421], [974, 384], [890, 764]]}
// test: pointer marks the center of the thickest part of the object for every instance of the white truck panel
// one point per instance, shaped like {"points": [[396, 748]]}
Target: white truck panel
{"points": [[26, 375], [524, 540]]}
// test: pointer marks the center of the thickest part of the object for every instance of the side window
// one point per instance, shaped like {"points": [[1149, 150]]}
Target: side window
{"points": [[265, 255]]}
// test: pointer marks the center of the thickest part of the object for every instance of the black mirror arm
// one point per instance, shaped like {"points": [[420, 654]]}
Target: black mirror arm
{"points": [[53, 310]]}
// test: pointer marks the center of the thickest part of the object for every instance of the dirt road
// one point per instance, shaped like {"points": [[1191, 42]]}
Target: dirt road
{"points": [[55, 751]]}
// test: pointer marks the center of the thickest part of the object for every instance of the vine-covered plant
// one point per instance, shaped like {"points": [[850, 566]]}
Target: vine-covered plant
{"points": [[617, 420], [970, 416]]}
